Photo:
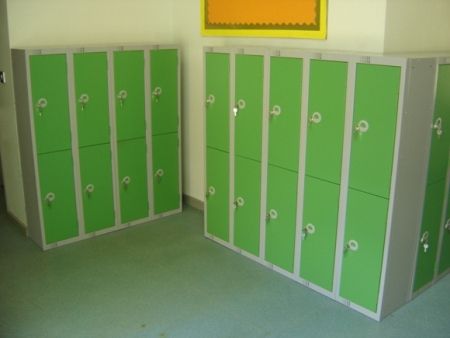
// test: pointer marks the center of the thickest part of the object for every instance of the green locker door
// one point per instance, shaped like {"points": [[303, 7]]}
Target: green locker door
{"points": [[429, 235], [48, 75], [281, 220], [91, 94], [326, 114], [166, 182], [249, 105], [440, 140], [217, 100], [129, 94], [217, 193], [320, 219], [132, 156], [58, 196], [365, 229], [96, 187], [374, 126], [247, 204], [285, 106], [164, 90], [444, 262]]}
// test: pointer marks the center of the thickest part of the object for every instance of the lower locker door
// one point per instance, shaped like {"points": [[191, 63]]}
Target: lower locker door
{"points": [[133, 180], [217, 193], [281, 217], [365, 229], [166, 182], [444, 261], [320, 218], [247, 204], [96, 187], [58, 196], [429, 235]]}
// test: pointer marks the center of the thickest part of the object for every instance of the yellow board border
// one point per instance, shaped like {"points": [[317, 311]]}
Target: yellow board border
{"points": [[285, 33]]}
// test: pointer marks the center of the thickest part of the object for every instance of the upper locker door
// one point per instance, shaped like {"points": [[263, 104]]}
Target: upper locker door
{"points": [[48, 75], [374, 127], [129, 94], [91, 93], [440, 140], [249, 105], [284, 113], [326, 114], [217, 102], [164, 90]]}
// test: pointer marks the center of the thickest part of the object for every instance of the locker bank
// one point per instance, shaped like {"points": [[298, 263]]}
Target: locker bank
{"points": [[158, 180]]}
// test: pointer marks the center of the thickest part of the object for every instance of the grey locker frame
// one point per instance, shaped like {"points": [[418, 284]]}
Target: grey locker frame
{"points": [[412, 143], [28, 154]]}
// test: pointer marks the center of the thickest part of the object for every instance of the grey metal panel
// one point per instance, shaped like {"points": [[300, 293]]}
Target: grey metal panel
{"points": [[22, 98], [409, 190]]}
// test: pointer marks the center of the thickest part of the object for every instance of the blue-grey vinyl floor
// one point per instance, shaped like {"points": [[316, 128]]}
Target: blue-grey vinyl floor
{"points": [[164, 279]]}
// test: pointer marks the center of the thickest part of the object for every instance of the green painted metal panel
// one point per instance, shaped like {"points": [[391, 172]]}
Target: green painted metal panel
{"points": [[431, 224], [91, 94], [58, 196], [376, 103], [166, 182], [361, 269], [247, 215], [217, 100], [217, 193], [281, 220], [129, 94], [444, 261], [133, 179], [48, 75], [164, 90], [326, 114], [249, 91], [284, 127], [320, 209], [96, 187], [440, 141]]}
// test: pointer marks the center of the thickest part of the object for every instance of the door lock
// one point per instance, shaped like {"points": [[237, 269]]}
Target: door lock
{"points": [[424, 241]]}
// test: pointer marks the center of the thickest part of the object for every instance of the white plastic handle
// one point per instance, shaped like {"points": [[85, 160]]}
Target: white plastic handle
{"points": [[239, 202], [159, 173], [273, 214], [126, 180], [362, 127], [122, 95], [84, 98], [41, 103], [310, 229], [315, 118], [211, 191], [447, 225], [89, 188], [425, 237], [211, 99], [50, 197], [437, 125], [352, 245], [157, 91], [241, 104], [276, 111]]}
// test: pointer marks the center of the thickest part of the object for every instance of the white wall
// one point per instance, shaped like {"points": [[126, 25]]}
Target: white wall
{"points": [[417, 26], [9, 146], [65, 22], [353, 25]]}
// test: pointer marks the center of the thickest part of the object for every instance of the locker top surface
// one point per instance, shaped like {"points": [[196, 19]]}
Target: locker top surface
{"points": [[50, 49]]}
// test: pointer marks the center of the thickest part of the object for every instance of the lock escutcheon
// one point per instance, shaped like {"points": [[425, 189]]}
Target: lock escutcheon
{"points": [[315, 118]]}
